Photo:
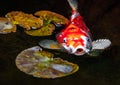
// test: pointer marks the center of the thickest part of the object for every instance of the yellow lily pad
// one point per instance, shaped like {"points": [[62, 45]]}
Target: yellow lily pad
{"points": [[42, 64], [47, 28], [25, 20], [49, 16], [43, 31]]}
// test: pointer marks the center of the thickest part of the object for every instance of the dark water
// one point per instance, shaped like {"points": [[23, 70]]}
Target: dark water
{"points": [[101, 16]]}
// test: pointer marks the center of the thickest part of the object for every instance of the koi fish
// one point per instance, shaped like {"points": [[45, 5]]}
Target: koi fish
{"points": [[75, 37]]}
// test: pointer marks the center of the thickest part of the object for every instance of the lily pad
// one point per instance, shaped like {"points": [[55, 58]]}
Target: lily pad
{"points": [[47, 28], [27, 21], [42, 64], [43, 31], [6, 26]]}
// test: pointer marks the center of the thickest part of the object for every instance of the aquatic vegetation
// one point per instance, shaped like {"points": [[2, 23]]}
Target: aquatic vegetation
{"points": [[38, 63], [48, 17], [27, 21], [6, 26], [34, 61]]}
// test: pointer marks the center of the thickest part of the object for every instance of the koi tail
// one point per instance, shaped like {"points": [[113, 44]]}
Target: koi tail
{"points": [[73, 4]]}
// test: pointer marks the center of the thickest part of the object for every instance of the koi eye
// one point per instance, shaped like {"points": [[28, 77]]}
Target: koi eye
{"points": [[88, 39], [64, 40]]}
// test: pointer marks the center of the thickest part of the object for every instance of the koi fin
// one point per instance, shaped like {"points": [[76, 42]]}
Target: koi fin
{"points": [[101, 44], [98, 46], [50, 44], [73, 4]]}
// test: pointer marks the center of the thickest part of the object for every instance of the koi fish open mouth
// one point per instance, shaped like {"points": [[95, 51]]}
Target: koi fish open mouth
{"points": [[79, 51], [76, 51]]}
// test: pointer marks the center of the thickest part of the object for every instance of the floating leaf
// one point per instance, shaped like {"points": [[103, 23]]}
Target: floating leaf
{"points": [[39, 63], [49, 16], [6, 26], [47, 28], [43, 31], [25, 20]]}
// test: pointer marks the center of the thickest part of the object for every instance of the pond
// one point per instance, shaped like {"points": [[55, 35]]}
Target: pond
{"points": [[103, 23]]}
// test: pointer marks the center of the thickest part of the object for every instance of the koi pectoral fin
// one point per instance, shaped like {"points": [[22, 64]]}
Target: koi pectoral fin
{"points": [[98, 46], [101, 44], [50, 44]]}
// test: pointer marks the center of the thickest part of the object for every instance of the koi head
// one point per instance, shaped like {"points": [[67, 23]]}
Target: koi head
{"points": [[75, 40]]}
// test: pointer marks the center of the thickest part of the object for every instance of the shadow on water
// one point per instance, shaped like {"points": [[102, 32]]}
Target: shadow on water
{"points": [[101, 70]]}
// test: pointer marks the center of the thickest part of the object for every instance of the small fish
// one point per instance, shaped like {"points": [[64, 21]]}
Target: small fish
{"points": [[75, 37]]}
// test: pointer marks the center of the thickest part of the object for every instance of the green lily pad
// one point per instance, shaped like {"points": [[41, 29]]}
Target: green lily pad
{"points": [[47, 28], [27, 21]]}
